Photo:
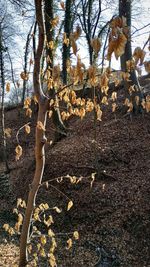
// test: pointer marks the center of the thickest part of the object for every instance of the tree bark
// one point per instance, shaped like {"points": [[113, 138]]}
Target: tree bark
{"points": [[125, 10], [60, 129], [3, 107], [26, 64], [40, 139], [67, 30]]}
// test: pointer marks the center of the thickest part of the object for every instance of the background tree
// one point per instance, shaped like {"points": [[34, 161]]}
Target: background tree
{"points": [[40, 136], [60, 129], [125, 10], [67, 32]]}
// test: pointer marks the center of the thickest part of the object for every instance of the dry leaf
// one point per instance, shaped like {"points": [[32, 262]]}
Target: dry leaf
{"points": [[76, 235], [69, 243], [27, 129], [62, 4], [40, 126], [70, 204], [8, 87], [8, 132], [57, 209], [93, 178], [18, 151]]}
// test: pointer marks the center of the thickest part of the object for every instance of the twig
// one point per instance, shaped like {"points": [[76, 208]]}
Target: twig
{"points": [[20, 130]]}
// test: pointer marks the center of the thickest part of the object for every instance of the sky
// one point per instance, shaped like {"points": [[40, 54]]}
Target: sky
{"points": [[140, 18]]}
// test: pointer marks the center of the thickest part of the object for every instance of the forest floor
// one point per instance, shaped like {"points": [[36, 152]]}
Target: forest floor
{"points": [[113, 216]]}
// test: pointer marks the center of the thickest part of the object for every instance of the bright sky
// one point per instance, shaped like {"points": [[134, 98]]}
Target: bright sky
{"points": [[141, 18]]}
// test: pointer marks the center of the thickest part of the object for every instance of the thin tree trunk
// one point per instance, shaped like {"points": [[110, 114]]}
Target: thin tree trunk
{"points": [[3, 107], [90, 3], [40, 139], [60, 129], [67, 30], [125, 10], [26, 64]]}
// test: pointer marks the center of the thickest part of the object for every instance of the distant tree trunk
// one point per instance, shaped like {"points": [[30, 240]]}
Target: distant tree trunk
{"points": [[89, 31], [40, 138], [67, 30], [3, 107], [56, 117], [26, 64], [125, 9]]}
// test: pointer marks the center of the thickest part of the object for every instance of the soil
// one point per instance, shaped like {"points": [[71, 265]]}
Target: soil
{"points": [[112, 214]]}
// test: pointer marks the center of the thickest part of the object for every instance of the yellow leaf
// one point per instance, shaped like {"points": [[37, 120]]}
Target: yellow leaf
{"points": [[40, 126], [51, 45], [130, 105], [29, 248], [114, 96], [15, 210], [53, 246], [52, 260], [96, 45], [6, 227], [62, 4], [51, 233], [114, 105], [93, 178], [27, 102], [35, 99], [69, 243], [8, 132], [50, 113], [99, 113], [74, 46], [43, 240], [18, 151], [76, 235], [42, 253], [66, 40], [55, 21], [139, 55], [29, 112], [20, 218], [27, 128], [24, 76], [57, 209], [7, 87], [70, 204], [49, 221], [11, 231], [104, 100]]}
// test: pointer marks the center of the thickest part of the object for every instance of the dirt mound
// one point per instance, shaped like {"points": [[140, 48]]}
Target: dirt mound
{"points": [[112, 216]]}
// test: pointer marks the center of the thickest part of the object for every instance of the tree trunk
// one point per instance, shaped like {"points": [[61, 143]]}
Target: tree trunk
{"points": [[125, 10], [26, 64], [40, 139], [60, 129], [67, 30], [89, 33], [3, 107]]}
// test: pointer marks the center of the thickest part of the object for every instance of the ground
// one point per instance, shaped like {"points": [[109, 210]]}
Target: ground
{"points": [[113, 215]]}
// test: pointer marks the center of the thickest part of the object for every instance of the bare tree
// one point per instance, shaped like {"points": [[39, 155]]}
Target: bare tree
{"points": [[125, 9], [2, 81], [89, 12], [67, 31], [43, 103], [60, 129]]}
